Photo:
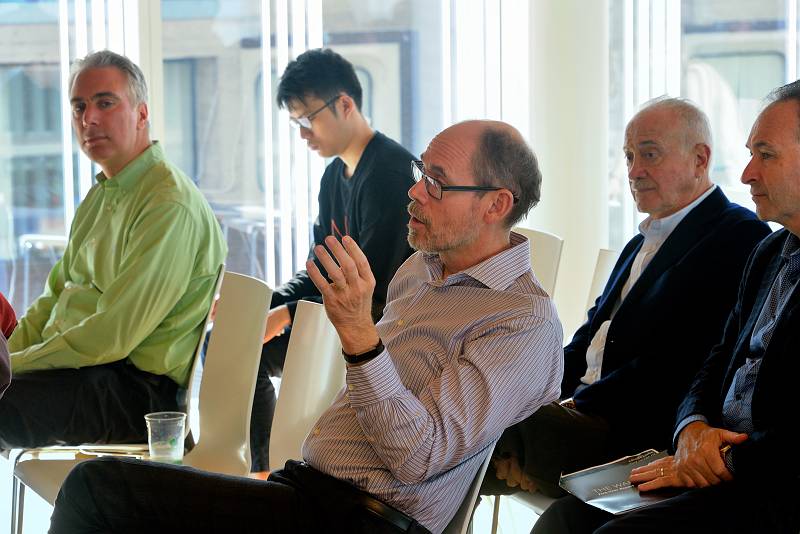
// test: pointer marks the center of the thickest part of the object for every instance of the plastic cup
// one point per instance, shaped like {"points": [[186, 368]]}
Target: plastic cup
{"points": [[165, 432]]}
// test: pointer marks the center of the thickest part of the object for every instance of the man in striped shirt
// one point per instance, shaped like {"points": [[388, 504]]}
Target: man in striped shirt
{"points": [[469, 343]]}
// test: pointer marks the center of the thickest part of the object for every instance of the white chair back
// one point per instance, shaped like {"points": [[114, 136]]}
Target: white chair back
{"points": [[229, 376], [460, 522], [187, 403], [313, 374], [545, 256], [602, 270]]}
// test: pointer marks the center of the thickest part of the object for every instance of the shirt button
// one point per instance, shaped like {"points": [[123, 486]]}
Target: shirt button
{"points": [[316, 431], [350, 387], [400, 322]]}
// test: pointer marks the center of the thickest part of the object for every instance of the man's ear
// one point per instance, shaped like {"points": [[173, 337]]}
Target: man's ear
{"points": [[143, 113], [348, 105], [702, 158], [502, 201]]}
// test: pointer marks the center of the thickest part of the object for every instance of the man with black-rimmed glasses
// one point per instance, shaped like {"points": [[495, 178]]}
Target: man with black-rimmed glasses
{"points": [[361, 194], [468, 344]]}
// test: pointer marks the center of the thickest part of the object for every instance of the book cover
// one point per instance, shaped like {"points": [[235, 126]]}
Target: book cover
{"points": [[608, 487]]}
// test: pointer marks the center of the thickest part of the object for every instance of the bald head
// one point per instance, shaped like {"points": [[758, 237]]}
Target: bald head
{"points": [[498, 156], [681, 118]]}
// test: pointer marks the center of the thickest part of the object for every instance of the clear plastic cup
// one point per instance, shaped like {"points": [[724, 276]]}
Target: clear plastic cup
{"points": [[165, 432]]}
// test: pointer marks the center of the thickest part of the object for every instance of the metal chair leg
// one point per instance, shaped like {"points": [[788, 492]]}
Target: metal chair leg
{"points": [[17, 505], [14, 483], [496, 514]]}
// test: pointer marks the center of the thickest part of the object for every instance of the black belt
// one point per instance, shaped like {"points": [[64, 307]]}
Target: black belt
{"points": [[313, 481]]}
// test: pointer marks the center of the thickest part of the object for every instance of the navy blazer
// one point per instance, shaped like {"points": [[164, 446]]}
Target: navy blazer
{"points": [[666, 326], [770, 452]]}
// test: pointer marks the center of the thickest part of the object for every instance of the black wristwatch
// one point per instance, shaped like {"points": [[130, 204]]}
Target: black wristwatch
{"points": [[364, 356]]}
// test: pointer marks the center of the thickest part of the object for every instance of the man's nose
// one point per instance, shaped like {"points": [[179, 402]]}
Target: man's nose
{"points": [[418, 193], [634, 169], [90, 116], [749, 174]]}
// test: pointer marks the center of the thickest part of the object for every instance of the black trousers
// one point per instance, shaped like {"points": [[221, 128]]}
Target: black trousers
{"points": [[553, 440], [131, 496], [726, 508], [735, 507], [99, 404], [273, 355]]}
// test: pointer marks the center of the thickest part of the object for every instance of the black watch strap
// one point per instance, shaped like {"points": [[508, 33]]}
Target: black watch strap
{"points": [[364, 356]]}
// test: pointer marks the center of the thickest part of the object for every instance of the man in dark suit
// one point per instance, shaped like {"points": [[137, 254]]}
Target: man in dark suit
{"points": [[736, 429], [664, 306]]}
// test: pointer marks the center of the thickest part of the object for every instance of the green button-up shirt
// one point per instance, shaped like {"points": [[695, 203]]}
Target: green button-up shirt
{"points": [[135, 280]]}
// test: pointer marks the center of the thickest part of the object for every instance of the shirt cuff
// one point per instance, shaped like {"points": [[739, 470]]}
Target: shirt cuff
{"points": [[372, 381], [683, 424], [728, 459]]}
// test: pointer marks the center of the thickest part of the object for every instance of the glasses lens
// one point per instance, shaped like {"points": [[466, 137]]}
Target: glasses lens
{"points": [[434, 188], [300, 122], [416, 171]]}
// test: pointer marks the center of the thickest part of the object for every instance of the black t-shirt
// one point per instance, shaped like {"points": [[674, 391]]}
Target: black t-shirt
{"points": [[370, 207]]}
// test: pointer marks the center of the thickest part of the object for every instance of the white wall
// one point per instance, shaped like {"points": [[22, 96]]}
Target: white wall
{"points": [[569, 125]]}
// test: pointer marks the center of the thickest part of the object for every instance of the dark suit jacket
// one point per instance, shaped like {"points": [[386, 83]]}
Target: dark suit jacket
{"points": [[770, 453], [666, 326]]}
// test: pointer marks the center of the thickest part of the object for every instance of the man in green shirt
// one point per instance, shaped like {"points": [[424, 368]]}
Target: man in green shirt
{"points": [[113, 335]]}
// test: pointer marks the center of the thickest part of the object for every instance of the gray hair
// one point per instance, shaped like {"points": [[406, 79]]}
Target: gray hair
{"points": [[504, 159], [697, 127], [786, 93], [137, 87]]}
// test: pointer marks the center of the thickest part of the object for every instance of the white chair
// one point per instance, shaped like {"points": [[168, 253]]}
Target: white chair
{"points": [[606, 259], [461, 521], [226, 396], [545, 256], [313, 374], [602, 270]]}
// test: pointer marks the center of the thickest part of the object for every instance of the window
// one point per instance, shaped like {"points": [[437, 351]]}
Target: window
{"points": [[723, 55], [213, 67], [32, 185]]}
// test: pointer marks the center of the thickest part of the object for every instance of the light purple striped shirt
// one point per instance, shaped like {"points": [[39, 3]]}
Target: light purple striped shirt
{"points": [[465, 358]]}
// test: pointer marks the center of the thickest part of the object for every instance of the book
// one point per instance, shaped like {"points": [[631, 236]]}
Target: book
{"points": [[608, 487]]}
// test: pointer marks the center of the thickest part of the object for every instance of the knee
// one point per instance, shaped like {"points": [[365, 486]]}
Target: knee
{"points": [[73, 504]]}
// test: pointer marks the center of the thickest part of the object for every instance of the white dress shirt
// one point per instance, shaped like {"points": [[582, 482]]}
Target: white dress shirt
{"points": [[655, 232]]}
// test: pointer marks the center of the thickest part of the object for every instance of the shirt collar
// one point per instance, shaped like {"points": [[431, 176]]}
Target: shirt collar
{"points": [[659, 229], [791, 247], [128, 177], [497, 272]]}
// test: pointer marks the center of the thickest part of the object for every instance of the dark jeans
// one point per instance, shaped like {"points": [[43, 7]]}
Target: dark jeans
{"points": [[99, 404], [552, 441], [273, 354], [131, 496]]}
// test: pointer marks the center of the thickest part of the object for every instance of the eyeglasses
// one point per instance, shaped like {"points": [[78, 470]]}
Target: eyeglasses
{"points": [[305, 121], [435, 188]]}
